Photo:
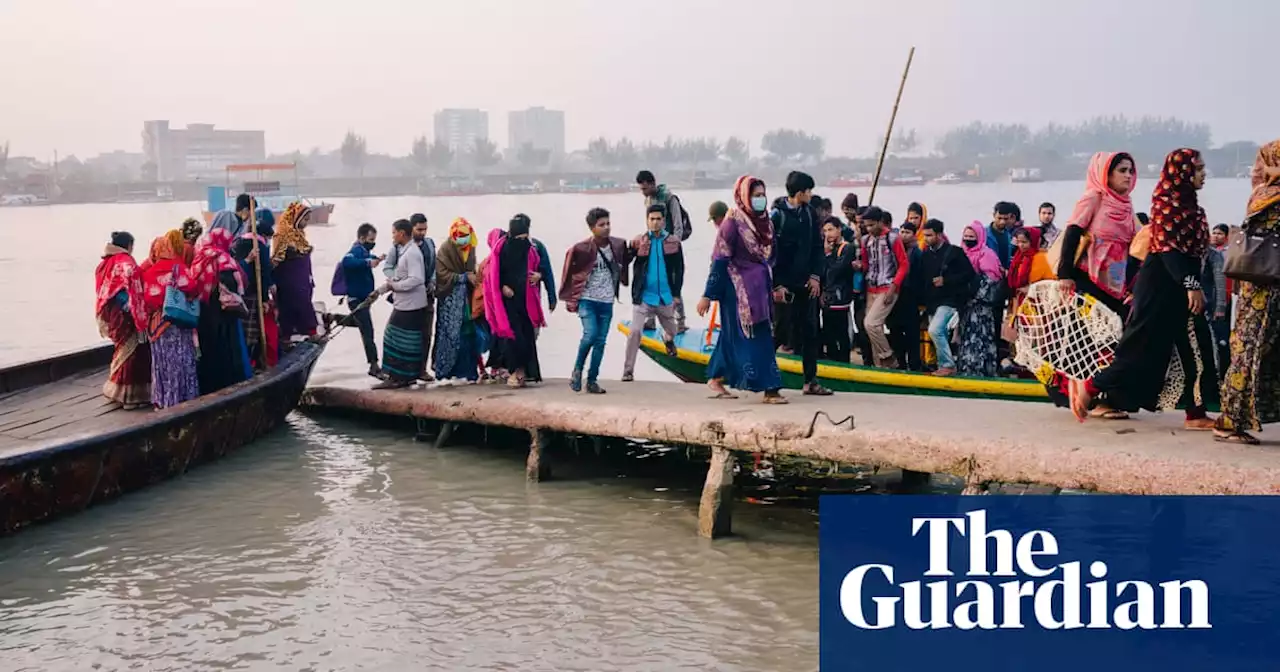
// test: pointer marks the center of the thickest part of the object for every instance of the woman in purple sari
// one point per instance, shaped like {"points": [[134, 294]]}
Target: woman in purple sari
{"points": [[291, 259], [740, 280]]}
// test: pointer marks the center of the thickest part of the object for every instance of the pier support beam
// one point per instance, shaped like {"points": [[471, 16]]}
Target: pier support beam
{"points": [[715, 512], [536, 467], [446, 431]]}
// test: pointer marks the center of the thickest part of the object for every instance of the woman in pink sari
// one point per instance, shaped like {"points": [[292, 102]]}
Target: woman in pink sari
{"points": [[1105, 214], [512, 304]]}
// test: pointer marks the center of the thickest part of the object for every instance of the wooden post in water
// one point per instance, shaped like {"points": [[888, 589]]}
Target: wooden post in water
{"points": [[889, 133], [715, 511], [536, 467]]}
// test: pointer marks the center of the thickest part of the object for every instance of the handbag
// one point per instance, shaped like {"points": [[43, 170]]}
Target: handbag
{"points": [[1253, 257], [1140, 246], [179, 309], [1054, 255]]}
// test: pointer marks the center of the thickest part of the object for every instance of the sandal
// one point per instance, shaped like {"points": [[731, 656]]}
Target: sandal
{"points": [[1108, 414], [816, 390], [723, 394], [775, 399], [515, 382], [1199, 424], [1238, 438]]}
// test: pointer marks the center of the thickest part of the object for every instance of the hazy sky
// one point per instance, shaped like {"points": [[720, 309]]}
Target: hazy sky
{"points": [[80, 76]]}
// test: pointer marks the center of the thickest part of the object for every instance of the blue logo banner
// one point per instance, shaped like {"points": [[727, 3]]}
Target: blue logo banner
{"points": [[1078, 583]]}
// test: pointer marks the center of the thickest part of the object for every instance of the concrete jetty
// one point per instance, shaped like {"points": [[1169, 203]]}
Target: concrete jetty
{"points": [[983, 442]]}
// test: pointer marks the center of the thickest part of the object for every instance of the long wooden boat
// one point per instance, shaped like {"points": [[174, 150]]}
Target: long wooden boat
{"points": [[693, 351], [64, 447]]}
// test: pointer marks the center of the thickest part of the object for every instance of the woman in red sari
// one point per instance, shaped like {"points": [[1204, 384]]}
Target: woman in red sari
{"points": [[122, 318]]}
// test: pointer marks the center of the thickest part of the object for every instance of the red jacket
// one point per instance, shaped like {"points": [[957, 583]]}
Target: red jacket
{"points": [[578, 262]]}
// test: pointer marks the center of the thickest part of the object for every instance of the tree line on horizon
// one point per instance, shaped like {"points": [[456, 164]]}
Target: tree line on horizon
{"points": [[1145, 137]]}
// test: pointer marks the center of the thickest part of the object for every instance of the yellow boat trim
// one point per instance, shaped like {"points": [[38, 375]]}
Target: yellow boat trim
{"points": [[920, 381]]}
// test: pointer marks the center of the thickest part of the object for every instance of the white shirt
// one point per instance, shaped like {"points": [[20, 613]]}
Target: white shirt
{"points": [[409, 284]]}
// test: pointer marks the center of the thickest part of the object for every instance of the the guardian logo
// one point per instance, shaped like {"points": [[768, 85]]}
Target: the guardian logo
{"points": [[1051, 595]]}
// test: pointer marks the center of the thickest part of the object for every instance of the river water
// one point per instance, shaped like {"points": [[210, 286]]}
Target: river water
{"points": [[335, 545]]}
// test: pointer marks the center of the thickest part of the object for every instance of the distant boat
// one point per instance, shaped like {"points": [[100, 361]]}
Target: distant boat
{"points": [[15, 200], [524, 188], [1025, 175], [851, 181], [905, 181], [949, 178], [268, 193], [592, 187]]}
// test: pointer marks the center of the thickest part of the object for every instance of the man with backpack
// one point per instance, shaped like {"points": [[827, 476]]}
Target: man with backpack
{"points": [[356, 275], [676, 224]]}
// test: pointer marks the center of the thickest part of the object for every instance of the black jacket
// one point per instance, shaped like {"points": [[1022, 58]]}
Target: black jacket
{"points": [[797, 247], [949, 262], [837, 280], [672, 254]]}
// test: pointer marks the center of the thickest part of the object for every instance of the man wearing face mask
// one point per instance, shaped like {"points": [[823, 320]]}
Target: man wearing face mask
{"points": [[357, 267]]}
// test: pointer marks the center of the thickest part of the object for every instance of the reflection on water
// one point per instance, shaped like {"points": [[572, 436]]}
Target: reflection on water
{"points": [[332, 545]]}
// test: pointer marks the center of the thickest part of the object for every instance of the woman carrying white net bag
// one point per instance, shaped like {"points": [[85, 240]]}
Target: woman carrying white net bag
{"points": [[1168, 302]]}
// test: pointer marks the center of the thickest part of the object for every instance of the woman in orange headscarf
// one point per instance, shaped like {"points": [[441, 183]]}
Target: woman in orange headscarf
{"points": [[1251, 389], [173, 345], [456, 353]]}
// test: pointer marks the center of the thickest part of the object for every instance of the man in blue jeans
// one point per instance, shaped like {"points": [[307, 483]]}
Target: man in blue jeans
{"points": [[593, 269], [946, 277]]}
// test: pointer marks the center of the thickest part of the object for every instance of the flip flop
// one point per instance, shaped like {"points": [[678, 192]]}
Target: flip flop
{"points": [[1238, 438], [723, 395], [1108, 414], [776, 401]]}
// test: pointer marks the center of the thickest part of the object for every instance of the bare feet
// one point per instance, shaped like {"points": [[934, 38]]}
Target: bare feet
{"points": [[1080, 400]]}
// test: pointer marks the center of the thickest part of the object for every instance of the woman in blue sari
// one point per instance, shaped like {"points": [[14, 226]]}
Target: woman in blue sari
{"points": [[740, 280]]}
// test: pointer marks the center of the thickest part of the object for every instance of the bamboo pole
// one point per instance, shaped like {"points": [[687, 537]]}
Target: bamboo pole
{"points": [[257, 275], [892, 117]]}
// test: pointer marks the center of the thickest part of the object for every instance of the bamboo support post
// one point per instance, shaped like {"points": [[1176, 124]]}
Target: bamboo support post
{"points": [[715, 511], [536, 467], [257, 282], [889, 133]]}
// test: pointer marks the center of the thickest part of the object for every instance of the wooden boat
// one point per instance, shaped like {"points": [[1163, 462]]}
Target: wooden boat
{"points": [[64, 447], [693, 351]]}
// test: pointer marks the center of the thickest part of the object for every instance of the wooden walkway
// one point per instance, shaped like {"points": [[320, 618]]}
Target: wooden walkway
{"points": [[66, 409], [980, 441]]}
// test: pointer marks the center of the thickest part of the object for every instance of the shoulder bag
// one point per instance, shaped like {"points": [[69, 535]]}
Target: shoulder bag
{"points": [[179, 309], [1253, 257]]}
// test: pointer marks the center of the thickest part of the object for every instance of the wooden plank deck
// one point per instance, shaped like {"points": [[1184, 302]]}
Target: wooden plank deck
{"points": [[980, 441], [69, 408]]}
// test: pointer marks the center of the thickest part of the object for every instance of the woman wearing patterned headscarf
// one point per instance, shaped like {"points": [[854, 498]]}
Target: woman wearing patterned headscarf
{"points": [[1251, 389], [740, 280], [122, 318], [456, 354], [173, 346], [220, 283], [291, 258], [1167, 297]]}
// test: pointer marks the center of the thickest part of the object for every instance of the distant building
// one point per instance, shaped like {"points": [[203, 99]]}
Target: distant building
{"points": [[460, 129], [198, 152], [537, 126]]}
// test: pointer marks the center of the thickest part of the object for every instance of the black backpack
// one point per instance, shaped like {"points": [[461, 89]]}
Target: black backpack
{"points": [[688, 224]]}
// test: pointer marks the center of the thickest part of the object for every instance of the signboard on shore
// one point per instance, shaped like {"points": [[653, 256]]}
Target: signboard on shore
{"points": [[1049, 583]]}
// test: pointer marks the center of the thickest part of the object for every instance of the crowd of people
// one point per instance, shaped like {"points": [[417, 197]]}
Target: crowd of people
{"points": [[788, 276], [186, 321]]}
